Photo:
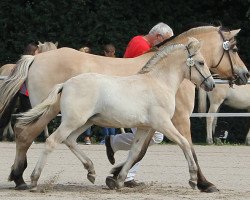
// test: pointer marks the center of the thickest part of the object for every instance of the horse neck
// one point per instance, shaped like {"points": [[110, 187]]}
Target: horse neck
{"points": [[211, 41], [170, 70]]}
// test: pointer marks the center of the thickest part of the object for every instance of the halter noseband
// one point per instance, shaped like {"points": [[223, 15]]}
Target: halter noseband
{"points": [[191, 63]]}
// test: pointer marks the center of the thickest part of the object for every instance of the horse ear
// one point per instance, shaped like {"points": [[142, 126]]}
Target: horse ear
{"points": [[56, 44], [193, 45], [235, 32], [39, 43]]}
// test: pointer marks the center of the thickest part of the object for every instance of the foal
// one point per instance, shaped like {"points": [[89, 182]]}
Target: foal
{"points": [[145, 100]]}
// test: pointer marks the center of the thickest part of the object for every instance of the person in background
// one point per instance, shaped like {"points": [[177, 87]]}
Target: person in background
{"points": [[31, 49], [108, 51], [85, 49], [87, 134], [137, 46]]}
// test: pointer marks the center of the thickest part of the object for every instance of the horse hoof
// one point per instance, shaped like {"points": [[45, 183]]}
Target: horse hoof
{"points": [[111, 182], [33, 189], [23, 186], [210, 189], [91, 178], [210, 141], [192, 184]]}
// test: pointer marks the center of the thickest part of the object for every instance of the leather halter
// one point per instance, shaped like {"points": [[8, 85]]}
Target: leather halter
{"points": [[191, 63], [226, 48]]}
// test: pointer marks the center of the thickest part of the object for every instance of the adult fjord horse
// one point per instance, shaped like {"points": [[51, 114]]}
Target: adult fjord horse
{"points": [[110, 101], [6, 70], [236, 97], [50, 68]]}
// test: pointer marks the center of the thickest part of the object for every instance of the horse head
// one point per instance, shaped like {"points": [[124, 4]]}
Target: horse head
{"points": [[228, 55], [46, 46], [199, 72]]}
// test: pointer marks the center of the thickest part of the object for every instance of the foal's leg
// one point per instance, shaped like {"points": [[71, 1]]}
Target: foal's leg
{"points": [[57, 137], [24, 138], [139, 147], [183, 110], [72, 145], [169, 130], [46, 132]]}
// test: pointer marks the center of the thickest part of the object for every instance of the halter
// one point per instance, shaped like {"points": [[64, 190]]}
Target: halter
{"points": [[191, 63], [226, 48]]}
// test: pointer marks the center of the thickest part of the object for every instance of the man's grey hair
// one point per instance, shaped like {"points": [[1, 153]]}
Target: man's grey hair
{"points": [[161, 28]]}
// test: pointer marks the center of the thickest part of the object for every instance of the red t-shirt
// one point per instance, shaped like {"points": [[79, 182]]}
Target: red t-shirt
{"points": [[137, 46]]}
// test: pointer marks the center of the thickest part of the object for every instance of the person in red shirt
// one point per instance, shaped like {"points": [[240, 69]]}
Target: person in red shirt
{"points": [[141, 44], [137, 46]]}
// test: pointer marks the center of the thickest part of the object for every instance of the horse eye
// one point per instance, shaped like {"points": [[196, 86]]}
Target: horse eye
{"points": [[201, 63], [235, 50]]}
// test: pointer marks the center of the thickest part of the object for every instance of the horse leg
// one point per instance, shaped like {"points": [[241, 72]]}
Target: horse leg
{"points": [[210, 122], [181, 120], [248, 138], [8, 129], [46, 132], [138, 149], [72, 145], [24, 138], [169, 130], [57, 137], [5, 132]]}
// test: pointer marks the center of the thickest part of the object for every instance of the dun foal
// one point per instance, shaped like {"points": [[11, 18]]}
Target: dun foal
{"points": [[145, 100]]}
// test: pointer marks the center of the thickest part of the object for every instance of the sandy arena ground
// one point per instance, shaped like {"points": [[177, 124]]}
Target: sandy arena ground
{"points": [[164, 169]]}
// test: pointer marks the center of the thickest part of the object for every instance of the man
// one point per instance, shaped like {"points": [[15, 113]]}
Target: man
{"points": [[137, 46]]}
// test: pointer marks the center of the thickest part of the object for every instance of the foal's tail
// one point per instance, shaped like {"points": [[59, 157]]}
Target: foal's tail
{"points": [[41, 109], [202, 101], [10, 86]]}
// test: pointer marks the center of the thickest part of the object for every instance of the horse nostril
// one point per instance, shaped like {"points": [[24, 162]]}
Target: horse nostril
{"points": [[247, 75]]}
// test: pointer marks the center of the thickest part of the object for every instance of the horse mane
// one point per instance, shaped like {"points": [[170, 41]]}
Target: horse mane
{"points": [[194, 29], [163, 52]]}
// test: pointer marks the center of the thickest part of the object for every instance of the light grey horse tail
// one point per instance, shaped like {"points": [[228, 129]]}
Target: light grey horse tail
{"points": [[11, 85], [202, 101], [41, 109]]}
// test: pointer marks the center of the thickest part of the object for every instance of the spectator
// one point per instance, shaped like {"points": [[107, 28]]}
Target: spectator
{"points": [[87, 134], [108, 51], [85, 49], [138, 45], [31, 49]]}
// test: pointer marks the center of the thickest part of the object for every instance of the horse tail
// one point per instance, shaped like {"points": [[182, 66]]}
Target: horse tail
{"points": [[11, 85], [41, 109], [202, 101], [6, 115]]}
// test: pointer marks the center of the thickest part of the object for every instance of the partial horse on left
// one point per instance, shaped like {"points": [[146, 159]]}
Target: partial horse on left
{"points": [[5, 123], [5, 71]]}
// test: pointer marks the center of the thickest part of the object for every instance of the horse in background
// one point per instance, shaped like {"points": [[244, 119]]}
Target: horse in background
{"points": [[110, 101], [57, 66], [19, 104], [237, 97], [5, 70]]}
